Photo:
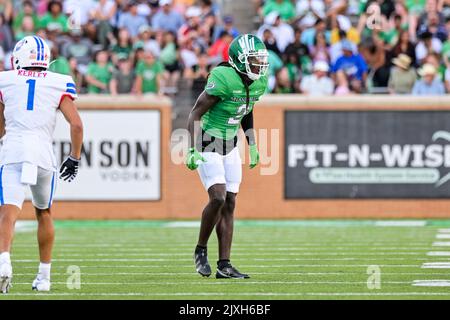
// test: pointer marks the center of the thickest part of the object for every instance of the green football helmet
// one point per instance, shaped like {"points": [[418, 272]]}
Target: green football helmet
{"points": [[248, 55]]}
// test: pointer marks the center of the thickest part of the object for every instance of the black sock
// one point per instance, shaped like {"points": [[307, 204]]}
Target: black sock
{"points": [[223, 263], [199, 248]]}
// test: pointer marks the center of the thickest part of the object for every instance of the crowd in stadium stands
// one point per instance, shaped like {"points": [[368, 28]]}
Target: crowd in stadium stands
{"points": [[316, 47]]}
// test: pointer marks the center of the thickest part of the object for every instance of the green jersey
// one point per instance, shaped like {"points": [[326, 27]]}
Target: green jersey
{"points": [[224, 119], [101, 73], [59, 23], [149, 75]]}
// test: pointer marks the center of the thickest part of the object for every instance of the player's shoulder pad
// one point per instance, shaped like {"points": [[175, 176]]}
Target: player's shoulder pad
{"points": [[221, 75], [61, 77], [65, 82], [222, 71]]}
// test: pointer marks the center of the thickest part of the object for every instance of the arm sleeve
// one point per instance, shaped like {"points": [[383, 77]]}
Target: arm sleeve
{"points": [[246, 124], [68, 89], [215, 85]]}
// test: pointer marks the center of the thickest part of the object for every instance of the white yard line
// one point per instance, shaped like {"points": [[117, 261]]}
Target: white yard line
{"points": [[184, 260], [431, 283], [254, 266], [96, 274], [225, 282], [436, 265], [441, 244], [439, 253], [259, 266], [303, 251], [60, 253], [272, 244], [400, 223], [246, 251], [185, 257], [444, 230], [25, 226]]}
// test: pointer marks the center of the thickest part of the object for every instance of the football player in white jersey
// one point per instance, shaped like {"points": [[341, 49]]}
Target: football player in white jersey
{"points": [[29, 99]]}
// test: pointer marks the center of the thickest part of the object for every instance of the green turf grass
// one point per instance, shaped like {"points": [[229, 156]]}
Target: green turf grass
{"points": [[286, 260]]}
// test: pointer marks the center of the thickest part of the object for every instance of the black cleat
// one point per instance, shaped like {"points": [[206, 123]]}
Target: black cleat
{"points": [[201, 262], [229, 271]]}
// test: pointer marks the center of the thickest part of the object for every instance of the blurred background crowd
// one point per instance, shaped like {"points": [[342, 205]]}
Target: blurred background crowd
{"points": [[317, 47]]}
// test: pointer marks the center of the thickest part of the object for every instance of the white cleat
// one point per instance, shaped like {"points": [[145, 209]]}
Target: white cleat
{"points": [[5, 277], [41, 285]]}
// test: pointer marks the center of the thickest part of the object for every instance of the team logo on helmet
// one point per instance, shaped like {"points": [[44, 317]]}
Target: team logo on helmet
{"points": [[247, 44]]}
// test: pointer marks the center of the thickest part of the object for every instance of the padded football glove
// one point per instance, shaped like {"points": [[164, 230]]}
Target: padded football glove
{"points": [[254, 155], [69, 169], [192, 159]]}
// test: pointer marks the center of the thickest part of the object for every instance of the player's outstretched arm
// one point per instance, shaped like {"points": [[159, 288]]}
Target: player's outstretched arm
{"points": [[69, 168], [202, 105]]}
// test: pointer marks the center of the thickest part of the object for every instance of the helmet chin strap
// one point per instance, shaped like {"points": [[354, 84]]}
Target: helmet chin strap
{"points": [[252, 76]]}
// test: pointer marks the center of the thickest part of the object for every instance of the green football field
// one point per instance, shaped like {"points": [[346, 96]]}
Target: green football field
{"points": [[311, 259]]}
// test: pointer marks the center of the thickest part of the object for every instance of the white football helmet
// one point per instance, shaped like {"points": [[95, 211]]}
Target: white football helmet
{"points": [[31, 51]]}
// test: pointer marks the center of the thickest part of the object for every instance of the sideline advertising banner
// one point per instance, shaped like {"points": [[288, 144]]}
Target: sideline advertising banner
{"points": [[121, 157], [367, 154]]}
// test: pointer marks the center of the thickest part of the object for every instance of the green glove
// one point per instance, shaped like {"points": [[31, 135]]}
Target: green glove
{"points": [[254, 155], [192, 158]]}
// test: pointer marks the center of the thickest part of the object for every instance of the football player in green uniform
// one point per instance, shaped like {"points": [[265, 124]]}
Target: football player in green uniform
{"points": [[226, 104]]}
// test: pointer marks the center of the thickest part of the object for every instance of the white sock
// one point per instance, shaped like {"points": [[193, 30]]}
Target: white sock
{"points": [[44, 271], [5, 257]]}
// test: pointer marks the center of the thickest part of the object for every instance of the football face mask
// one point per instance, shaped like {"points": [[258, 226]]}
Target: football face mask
{"points": [[249, 56]]}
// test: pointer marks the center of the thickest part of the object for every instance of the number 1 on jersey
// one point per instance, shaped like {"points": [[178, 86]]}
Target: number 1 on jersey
{"points": [[31, 86]]}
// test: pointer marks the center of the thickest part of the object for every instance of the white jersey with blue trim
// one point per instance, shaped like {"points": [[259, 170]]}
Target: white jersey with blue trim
{"points": [[31, 100]]}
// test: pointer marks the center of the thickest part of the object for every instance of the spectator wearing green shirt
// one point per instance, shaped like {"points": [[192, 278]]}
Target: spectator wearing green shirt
{"points": [[284, 7], [54, 19], [415, 7], [27, 28], [390, 37], [60, 64], [99, 73], [26, 11], [275, 64], [149, 75], [169, 59], [123, 46]]}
